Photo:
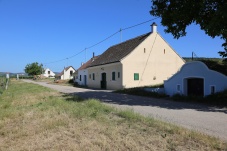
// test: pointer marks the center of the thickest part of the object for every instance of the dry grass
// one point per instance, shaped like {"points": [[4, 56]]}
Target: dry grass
{"points": [[37, 118]]}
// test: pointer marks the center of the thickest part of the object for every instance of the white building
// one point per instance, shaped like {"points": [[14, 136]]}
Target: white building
{"points": [[82, 74], [66, 74], [48, 73], [141, 61], [195, 78]]}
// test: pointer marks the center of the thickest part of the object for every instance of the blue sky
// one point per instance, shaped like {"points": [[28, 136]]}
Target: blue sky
{"points": [[45, 31]]}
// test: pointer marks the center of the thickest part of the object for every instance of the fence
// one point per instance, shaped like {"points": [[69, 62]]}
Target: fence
{"points": [[4, 82]]}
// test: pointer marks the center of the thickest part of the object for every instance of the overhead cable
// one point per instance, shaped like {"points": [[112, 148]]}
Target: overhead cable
{"points": [[122, 29]]}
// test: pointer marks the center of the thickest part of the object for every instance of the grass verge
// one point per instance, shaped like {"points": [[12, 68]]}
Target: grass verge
{"points": [[33, 117]]}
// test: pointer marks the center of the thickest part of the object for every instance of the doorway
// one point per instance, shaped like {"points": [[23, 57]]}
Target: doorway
{"points": [[195, 86], [103, 81], [85, 80]]}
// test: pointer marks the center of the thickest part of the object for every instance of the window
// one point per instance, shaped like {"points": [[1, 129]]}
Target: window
{"points": [[136, 76], [118, 74], [144, 50], [93, 76], [178, 88], [113, 76], [80, 77], [71, 72], [164, 51], [89, 76], [212, 89], [48, 72]]}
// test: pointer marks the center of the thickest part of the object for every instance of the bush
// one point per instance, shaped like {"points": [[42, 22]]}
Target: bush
{"points": [[141, 92], [219, 98], [71, 81]]}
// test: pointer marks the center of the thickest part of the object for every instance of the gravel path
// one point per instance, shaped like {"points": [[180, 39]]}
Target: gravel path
{"points": [[209, 120]]}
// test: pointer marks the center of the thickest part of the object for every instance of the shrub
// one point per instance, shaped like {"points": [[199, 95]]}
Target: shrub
{"points": [[71, 81], [141, 92]]}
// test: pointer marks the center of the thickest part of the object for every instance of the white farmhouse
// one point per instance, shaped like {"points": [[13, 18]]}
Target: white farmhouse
{"points": [[66, 74], [82, 74], [141, 61], [48, 73]]}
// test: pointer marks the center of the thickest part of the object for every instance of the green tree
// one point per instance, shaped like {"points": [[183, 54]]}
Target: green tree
{"points": [[34, 68], [176, 15]]}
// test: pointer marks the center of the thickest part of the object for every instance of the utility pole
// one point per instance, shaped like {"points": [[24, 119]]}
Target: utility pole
{"points": [[67, 61], [85, 54], [121, 34]]}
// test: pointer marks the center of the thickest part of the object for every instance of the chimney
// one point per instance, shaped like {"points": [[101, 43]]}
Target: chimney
{"points": [[154, 28], [82, 63], [93, 58]]}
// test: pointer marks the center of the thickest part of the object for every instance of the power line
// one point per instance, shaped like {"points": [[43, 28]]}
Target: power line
{"points": [[101, 41]]}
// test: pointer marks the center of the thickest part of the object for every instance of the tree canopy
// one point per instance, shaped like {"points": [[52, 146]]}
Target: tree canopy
{"points": [[176, 15], [34, 68]]}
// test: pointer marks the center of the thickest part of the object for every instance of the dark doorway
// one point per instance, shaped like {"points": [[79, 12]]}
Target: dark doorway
{"points": [[196, 86], [103, 81], [85, 80]]}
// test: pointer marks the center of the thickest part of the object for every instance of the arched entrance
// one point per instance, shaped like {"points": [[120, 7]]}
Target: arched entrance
{"points": [[195, 86], [103, 81]]}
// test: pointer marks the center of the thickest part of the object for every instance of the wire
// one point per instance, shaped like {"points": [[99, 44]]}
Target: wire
{"points": [[100, 41], [139, 24], [148, 60]]}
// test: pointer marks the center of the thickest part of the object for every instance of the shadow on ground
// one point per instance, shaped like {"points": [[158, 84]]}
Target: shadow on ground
{"points": [[131, 100]]}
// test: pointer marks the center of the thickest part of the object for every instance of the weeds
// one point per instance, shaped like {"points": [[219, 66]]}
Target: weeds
{"points": [[218, 99], [36, 118]]}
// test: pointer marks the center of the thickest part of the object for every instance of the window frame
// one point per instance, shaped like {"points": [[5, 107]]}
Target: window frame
{"points": [[136, 76], [212, 89], [113, 76], [71, 72], [93, 76]]}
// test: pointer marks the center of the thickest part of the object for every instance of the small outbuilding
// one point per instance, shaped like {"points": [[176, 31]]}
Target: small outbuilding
{"points": [[195, 78], [48, 73], [66, 74]]}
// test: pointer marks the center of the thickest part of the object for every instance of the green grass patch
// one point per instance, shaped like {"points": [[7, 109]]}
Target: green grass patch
{"points": [[33, 117]]}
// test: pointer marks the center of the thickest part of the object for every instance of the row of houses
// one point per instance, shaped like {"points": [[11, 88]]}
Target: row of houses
{"points": [[144, 61]]}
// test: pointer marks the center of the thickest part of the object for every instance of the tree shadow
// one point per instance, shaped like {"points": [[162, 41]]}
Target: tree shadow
{"points": [[131, 100]]}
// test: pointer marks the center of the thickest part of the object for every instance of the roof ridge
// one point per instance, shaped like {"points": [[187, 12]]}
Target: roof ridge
{"points": [[118, 51], [130, 39]]}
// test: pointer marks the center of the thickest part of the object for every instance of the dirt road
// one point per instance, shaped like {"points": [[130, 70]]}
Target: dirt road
{"points": [[209, 120]]}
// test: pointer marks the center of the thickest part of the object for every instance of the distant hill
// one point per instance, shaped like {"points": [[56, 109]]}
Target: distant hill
{"points": [[13, 74]]}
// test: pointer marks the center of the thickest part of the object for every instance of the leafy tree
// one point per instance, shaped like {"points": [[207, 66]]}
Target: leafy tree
{"points": [[176, 15], [34, 68]]}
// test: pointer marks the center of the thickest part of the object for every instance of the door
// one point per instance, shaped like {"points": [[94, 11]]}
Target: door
{"points": [[85, 80], [103, 81], [195, 86]]}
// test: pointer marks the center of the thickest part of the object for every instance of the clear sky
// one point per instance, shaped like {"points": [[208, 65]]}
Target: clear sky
{"points": [[46, 31]]}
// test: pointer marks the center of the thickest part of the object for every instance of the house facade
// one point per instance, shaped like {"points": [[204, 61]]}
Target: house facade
{"points": [[48, 73], [82, 74], [145, 60], [66, 74], [195, 78]]}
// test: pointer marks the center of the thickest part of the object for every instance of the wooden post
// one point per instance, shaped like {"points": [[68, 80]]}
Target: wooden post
{"points": [[7, 80]]}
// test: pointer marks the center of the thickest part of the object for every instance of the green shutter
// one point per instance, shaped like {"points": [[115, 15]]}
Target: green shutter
{"points": [[136, 76]]}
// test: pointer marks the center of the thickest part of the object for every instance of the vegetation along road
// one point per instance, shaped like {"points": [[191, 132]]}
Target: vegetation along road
{"points": [[209, 120]]}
